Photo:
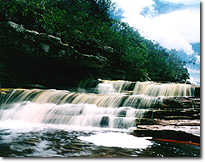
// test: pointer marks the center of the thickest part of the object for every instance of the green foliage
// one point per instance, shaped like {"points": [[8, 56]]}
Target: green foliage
{"points": [[87, 26]]}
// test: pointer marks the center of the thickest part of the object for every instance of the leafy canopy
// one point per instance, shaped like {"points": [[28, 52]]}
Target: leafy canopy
{"points": [[89, 26]]}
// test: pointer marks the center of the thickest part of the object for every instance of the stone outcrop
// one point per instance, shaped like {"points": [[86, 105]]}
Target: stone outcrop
{"points": [[181, 102], [177, 134], [32, 43], [38, 58], [178, 124]]}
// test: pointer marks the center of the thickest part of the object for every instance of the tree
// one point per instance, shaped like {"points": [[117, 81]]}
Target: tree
{"points": [[88, 26]]}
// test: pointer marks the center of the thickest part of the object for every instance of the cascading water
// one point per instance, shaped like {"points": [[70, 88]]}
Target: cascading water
{"points": [[64, 107], [109, 108], [163, 89], [117, 107], [109, 86], [72, 114], [148, 88]]}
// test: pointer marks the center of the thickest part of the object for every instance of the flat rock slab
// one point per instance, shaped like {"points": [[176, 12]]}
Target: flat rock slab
{"points": [[194, 130], [189, 134], [178, 122]]}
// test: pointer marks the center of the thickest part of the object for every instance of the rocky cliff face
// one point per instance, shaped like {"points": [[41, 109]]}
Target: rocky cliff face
{"points": [[38, 58]]}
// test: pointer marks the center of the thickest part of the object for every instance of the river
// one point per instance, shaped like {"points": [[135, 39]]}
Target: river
{"points": [[63, 123]]}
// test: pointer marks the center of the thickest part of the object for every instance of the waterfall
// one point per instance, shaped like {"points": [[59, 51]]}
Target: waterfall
{"points": [[163, 89], [112, 107], [62, 97], [148, 88], [119, 86], [72, 114]]}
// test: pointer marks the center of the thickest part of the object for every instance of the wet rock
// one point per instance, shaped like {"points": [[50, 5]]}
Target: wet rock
{"points": [[104, 121], [192, 113], [177, 117], [197, 92], [32, 141], [4, 90], [169, 132], [178, 122], [122, 113], [180, 102], [145, 121]]}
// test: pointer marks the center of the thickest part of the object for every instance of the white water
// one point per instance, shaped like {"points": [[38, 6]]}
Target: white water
{"points": [[109, 86], [109, 115], [105, 88], [28, 117], [147, 88], [117, 139], [109, 109], [163, 89], [80, 115]]}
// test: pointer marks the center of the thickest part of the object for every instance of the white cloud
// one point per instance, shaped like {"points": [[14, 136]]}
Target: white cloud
{"points": [[133, 6], [194, 80], [176, 29], [184, 1], [197, 59], [193, 71]]}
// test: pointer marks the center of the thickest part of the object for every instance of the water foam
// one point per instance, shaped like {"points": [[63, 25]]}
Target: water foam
{"points": [[117, 139]]}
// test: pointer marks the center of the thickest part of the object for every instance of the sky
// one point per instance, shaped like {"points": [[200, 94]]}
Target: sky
{"points": [[174, 24]]}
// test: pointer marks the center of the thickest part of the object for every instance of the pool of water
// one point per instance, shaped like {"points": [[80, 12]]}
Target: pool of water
{"points": [[21, 139]]}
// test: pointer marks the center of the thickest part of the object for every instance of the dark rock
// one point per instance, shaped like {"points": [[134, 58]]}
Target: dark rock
{"points": [[197, 92], [39, 43], [188, 82], [108, 49], [122, 113], [180, 102], [166, 134], [178, 113], [178, 117], [30, 57], [104, 121], [178, 122], [145, 121], [31, 86]]}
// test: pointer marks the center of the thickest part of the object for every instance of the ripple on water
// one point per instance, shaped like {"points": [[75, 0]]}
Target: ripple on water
{"points": [[53, 142]]}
